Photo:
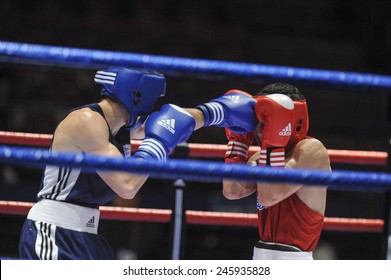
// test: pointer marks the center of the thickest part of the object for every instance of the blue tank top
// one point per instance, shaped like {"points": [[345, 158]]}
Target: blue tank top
{"points": [[76, 185]]}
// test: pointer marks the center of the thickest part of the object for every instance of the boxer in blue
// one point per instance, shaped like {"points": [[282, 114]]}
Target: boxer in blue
{"points": [[63, 224]]}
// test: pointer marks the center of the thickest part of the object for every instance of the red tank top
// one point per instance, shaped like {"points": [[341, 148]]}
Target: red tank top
{"points": [[291, 222]]}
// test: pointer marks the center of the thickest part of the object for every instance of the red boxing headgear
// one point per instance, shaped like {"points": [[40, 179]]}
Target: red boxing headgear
{"points": [[301, 123]]}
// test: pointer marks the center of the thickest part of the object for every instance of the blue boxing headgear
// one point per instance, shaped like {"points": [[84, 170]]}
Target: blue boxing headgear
{"points": [[136, 91]]}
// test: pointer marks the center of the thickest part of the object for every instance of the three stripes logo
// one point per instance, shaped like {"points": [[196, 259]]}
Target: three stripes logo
{"points": [[104, 77], [91, 222], [287, 131], [236, 149], [168, 124], [234, 98]]}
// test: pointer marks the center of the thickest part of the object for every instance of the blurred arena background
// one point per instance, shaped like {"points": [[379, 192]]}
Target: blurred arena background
{"points": [[328, 34]]}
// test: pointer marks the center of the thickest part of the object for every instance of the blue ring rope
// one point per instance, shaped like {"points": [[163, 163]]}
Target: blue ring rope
{"points": [[195, 170], [93, 58]]}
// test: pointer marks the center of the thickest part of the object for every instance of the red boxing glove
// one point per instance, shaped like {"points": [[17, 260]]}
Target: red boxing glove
{"points": [[238, 146], [276, 113]]}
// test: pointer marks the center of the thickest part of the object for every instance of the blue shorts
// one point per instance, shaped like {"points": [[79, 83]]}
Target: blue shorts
{"points": [[44, 241]]}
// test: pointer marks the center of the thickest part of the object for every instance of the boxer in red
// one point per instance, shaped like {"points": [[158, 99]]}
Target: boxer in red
{"points": [[290, 216]]}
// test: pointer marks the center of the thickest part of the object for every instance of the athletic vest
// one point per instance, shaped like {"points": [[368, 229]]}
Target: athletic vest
{"points": [[291, 222], [75, 185]]}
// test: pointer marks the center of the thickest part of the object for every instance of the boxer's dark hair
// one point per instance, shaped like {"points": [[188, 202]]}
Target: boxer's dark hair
{"points": [[284, 88]]}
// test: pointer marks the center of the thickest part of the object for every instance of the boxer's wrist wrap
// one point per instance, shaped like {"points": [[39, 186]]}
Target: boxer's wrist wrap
{"points": [[273, 157], [151, 149], [236, 152], [213, 113]]}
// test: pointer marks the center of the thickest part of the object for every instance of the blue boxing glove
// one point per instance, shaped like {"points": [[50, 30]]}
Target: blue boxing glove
{"points": [[164, 130], [234, 110]]}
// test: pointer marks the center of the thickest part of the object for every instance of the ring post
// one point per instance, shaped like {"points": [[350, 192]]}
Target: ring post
{"points": [[178, 218], [178, 221]]}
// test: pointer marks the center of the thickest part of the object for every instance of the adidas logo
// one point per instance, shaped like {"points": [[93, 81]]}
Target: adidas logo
{"points": [[234, 98], [287, 131], [91, 222], [168, 124]]}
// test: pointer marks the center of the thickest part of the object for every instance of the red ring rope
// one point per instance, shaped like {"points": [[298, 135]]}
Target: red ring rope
{"points": [[201, 217], [205, 150], [26, 139]]}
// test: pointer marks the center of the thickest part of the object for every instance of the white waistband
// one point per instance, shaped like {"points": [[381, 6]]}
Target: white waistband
{"points": [[66, 215], [267, 254]]}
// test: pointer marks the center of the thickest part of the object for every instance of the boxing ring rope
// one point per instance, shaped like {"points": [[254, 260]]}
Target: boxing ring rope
{"points": [[198, 150], [57, 56], [196, 170], [198, 68]]}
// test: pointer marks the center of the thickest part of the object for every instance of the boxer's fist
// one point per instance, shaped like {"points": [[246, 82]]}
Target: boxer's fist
{"points": [[164, 130], [234, 110], [238, 146]]}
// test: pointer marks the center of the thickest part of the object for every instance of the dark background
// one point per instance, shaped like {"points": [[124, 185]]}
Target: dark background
{"points": [[328, 34]]}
